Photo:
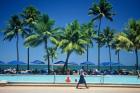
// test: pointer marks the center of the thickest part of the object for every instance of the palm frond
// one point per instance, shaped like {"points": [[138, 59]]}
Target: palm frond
{"points": [[13, 28], [32, 40], [102, 9]]}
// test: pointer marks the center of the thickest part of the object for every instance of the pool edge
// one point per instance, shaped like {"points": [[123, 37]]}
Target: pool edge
{"points": [[74, 85]]}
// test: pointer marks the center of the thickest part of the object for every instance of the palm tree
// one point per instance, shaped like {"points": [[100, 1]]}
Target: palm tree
{"points": [[13, 30], [133, 34], [88, 32], [30, 16], [72, 40], [116, 45], [44, 32], [119, 42], [52, 54], [100, 10], [108, 37]]}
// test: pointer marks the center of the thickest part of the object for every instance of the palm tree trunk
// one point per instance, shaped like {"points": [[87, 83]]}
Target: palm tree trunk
{"points": [[99, 45], [118, 52], [48, 62], [52, 64], [48, 56], [17, 68], [110, 57], [87, 53], [136, 52], [65, 67], [28, 58]]}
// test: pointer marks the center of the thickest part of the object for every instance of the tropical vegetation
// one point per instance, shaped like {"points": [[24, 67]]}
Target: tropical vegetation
{"points": [[52, 55], [90, 34], [99, 11], [43, 33], [132, 31], [121, 42], [13, 30], [72, 40], [39, 29], [108, 35], [29, 16]]}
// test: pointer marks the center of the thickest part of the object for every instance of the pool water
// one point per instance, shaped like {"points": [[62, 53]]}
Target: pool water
{"points": [[106, 79]]}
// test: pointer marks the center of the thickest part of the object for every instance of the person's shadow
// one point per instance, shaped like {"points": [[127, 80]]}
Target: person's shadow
{"points": [[82, 88]]}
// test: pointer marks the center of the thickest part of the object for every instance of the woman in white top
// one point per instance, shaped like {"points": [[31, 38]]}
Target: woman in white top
{"points": [[82, 79]]}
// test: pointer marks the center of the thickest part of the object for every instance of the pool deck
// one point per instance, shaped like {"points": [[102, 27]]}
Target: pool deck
{"points": [[45, 89], [73, 85], [6, 83]]}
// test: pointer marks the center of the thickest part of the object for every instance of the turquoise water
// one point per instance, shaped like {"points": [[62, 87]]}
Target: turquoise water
{"points": [[107, 79]]}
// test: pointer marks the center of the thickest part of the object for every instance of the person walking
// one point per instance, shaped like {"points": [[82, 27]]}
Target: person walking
{"points": [[82, 79]]}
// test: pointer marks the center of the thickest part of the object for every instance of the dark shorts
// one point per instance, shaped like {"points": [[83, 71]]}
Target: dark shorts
{"points": [[82, 79]]}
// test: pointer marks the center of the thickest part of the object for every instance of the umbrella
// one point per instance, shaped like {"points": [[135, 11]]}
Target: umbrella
{"points": [[62, 63], [59, 63], [87, 63], [117, 64], [37, 62], [16, 62], [112, 64], [105, 63], [1, 62]]}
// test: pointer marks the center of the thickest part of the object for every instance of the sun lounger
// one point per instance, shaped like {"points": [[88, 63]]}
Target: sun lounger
{"points": [[25, 72]]}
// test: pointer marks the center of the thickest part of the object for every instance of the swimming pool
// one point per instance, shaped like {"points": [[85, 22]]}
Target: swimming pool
{"points": [[95, 79]]}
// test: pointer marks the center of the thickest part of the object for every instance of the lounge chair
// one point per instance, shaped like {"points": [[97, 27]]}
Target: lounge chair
{"points": [[25, 71]]}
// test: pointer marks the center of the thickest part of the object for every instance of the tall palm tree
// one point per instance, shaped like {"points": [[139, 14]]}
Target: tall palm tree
{"points": [[52, 54], [88, 32], [30, 16], [133, 34], [108, 37], [98, 11], [116, 45], [72, 40], [119, 42], [44, 32], [13, 30]]}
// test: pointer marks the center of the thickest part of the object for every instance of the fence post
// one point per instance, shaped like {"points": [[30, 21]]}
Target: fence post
{"points": [[54, 78]]}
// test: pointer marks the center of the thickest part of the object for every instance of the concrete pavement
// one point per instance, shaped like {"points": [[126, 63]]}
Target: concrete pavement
{"points": [[45, 89]]}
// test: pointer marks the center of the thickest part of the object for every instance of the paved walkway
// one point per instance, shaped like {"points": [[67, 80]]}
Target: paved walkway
{"points": [[44, 89]]}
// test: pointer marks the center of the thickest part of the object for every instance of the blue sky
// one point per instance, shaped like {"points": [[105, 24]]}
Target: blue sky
{"points": [[64, 12]]}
